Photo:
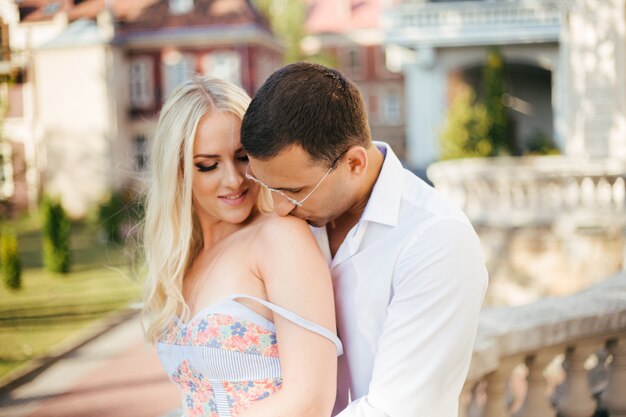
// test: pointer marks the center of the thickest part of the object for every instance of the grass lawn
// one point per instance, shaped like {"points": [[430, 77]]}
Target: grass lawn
{"points": [[50, 307]]}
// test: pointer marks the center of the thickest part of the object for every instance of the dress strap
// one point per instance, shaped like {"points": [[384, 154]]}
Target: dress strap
{"points": [[293, 317]]}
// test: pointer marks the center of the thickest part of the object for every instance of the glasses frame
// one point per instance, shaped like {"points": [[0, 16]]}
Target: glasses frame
{"points": [[288, 198]]}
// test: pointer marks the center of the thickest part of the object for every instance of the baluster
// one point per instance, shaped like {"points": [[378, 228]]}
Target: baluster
{"points": [[466, 398], [497, 384], [537, 402], [577, 400], [614, 398], [474, 408], [619, 193]]}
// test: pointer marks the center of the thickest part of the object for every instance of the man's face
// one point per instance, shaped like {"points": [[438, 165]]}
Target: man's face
{"points": [[293, 173]]}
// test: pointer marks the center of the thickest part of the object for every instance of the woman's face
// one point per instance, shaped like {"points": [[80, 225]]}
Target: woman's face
{"points": [[220, 190]]}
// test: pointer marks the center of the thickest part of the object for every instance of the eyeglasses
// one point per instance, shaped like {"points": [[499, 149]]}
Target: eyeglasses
{"points": [[290, 199]]}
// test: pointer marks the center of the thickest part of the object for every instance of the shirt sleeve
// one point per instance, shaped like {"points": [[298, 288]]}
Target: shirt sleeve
{"points": [[426, 344]]}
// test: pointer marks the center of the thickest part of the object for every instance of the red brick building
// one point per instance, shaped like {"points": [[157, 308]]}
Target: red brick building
{"points": [[349, 33]]}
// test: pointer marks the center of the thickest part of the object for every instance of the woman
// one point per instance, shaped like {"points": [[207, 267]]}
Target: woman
{"points": [[230, 286]]}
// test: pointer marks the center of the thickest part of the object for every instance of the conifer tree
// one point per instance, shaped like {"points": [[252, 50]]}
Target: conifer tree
{"points": [[493, 88]]}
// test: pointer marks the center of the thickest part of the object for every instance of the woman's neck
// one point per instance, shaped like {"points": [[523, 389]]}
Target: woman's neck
{"points": [[215, 230]]}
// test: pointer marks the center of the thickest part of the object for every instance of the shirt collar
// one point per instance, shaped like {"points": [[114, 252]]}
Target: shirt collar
{"points": [[383, 205]]}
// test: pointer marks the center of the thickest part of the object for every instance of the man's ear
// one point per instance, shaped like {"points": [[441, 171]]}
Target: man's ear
{"points": [[357, 160]]}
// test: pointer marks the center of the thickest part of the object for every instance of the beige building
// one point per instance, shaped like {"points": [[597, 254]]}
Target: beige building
{"points": [[565, 60], [93, 76]]}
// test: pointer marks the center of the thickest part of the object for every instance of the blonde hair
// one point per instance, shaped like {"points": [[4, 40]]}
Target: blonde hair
{"points": [[171, 237]]}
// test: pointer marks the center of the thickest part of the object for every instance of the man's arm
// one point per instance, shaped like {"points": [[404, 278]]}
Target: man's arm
{"points": [[426, 344]]}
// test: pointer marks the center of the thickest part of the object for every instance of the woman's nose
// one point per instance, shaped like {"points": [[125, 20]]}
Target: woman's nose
{"points": [[233, 177]]}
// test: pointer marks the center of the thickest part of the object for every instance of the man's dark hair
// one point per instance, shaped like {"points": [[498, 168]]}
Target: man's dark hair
{"points": [[308, 105]]}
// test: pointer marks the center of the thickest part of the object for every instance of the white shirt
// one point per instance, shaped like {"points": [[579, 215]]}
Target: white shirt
{"points": [[409, 282]]}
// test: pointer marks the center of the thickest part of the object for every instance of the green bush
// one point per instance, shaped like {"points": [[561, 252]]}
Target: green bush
{"points": [[500, 132], [10, 258], [540, 144], [111, 216], [479, 128], [465, 134], [56, 237], [118, 214]]}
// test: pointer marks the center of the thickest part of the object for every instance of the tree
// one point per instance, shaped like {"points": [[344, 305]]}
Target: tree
{"points": [[10, 258], [500, 130], [465, 134], [287, 19], [56, 237]]}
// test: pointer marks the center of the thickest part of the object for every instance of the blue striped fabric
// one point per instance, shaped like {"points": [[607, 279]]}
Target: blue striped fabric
{"points": [[224, 375]]}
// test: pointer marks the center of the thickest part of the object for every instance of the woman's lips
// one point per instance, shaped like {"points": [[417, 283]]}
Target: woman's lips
{"points": [[234, 199]]}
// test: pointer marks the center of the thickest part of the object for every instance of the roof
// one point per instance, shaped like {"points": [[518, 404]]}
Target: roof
{"points": [[142, 15], [340, 16], [82, 32]]}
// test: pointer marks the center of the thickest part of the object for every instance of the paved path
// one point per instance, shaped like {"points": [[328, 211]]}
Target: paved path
{"points": [[115, 375]]}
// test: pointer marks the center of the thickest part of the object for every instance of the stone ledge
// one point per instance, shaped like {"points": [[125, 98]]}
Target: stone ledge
{"points": [[597, 312]]}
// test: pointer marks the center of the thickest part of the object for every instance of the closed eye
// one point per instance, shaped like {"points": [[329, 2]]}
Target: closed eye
{"points": [[205, 168], [291, 190], [243, 158]]}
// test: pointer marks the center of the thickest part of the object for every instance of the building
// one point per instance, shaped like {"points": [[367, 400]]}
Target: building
{"points": [[548, 225], [348, 34], [566, 69], [97, 72]]}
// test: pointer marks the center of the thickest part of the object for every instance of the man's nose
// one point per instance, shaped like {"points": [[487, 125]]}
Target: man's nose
{"points": [[282, 206]]}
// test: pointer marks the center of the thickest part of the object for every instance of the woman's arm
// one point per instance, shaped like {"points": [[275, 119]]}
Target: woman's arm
{"points": [[296, 277]]}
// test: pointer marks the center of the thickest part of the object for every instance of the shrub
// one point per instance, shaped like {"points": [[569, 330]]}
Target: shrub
{"points": [[56, 237], [465, 134], [500, 125], [10, 258], [111, 216], [118, 215]]}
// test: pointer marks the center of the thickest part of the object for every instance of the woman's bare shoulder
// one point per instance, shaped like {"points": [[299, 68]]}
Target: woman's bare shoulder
{"points": [[283, 233], [269, 223]]}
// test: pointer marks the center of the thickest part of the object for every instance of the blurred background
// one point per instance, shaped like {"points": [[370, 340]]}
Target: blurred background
{"points": [[515, 109]]}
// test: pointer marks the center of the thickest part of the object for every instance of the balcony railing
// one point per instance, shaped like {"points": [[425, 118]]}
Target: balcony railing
{"points": [[533, 191], [454, 23], [587, 329]]}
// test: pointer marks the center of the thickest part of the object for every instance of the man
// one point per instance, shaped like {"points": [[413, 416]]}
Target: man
{"points": [[407, 267]]}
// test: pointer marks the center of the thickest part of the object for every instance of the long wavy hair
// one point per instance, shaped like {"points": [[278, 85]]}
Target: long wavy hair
{"points": [[172, 237]]}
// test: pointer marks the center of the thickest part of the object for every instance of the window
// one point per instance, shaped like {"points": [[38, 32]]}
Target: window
{"points": [[354, 62], [266, 64], [392, 111], [177, 69], [140, 152], [181, 6], [225, 65], [142, 83], [6, 170]]}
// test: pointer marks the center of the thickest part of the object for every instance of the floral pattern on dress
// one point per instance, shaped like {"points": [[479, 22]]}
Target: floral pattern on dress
{"points": [[197, 395], [242, 395], [223, 332]]}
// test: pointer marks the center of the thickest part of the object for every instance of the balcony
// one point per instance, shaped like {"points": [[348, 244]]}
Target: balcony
{"points": [[565, 355], [464, 23], [534, 191]]}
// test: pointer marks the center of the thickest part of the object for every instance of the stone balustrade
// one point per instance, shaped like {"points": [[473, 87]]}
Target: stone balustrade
{"points": [[585, 333], [533, 191], [468, 21]]}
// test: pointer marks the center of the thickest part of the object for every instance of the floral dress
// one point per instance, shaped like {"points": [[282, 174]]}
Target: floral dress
{"points": [[226, 357]]}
